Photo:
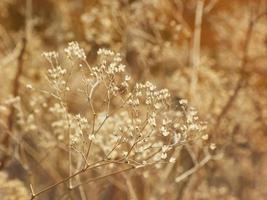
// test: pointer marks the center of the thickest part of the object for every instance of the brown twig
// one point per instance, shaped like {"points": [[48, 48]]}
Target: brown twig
{"points": [[191, 171], [244, 61]]}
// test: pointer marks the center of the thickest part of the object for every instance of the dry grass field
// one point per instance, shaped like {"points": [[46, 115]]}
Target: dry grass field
{"points": [[133, 99]]}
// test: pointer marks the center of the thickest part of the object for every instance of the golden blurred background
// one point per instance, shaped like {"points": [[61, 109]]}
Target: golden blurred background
{"points": [[211, 52]]}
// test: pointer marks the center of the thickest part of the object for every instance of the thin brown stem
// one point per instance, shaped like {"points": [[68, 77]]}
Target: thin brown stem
{"points": [[104, 176]]}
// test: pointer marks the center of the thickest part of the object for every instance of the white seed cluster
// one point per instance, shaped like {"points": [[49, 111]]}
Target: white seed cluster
{"points": [[56, 77], [50, 56], [110, 64], [75, 51], [150, 95]]}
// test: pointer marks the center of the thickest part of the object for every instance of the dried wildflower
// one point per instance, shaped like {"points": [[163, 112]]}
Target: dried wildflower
{"points": [[212, 146], [74, 51], [172, 160], [137, 127], [183, 102], [29, 87], [205, 137], [51, 56], [164, 131]]}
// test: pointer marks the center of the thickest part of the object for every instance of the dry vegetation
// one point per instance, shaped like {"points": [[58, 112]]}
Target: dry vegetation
{"points": [[133, 99]]}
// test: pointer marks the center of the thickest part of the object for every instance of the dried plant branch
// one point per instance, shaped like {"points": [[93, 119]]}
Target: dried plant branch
{"points": [[88, 167], [104, 176], [193, 170], [132, 193], [196, 46], [244, 61]]}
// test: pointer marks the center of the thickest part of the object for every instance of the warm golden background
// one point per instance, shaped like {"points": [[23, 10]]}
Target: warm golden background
{"points": [[211, 52]]}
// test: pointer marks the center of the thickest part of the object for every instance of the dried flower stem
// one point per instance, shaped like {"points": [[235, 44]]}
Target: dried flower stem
{"points": [[85, 169]]}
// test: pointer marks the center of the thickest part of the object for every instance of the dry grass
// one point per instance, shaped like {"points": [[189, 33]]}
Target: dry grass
{"points": [[92, 119]]}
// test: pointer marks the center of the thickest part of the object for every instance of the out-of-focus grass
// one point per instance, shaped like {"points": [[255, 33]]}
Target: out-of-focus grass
{"points": [[159, 42]]}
